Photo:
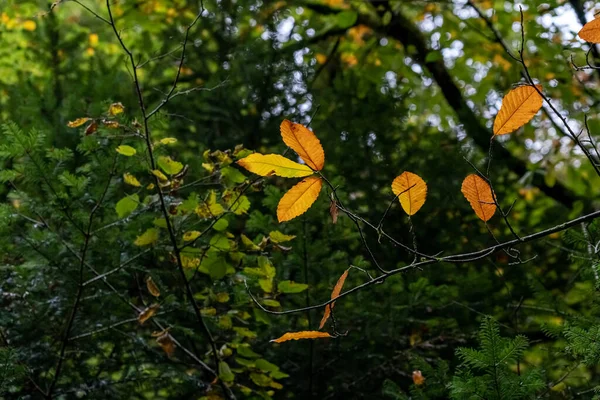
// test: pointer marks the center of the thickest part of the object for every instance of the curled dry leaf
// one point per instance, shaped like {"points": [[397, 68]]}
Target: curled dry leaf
{"points": [[335, 293], [274, 164], [591, 31], [165, 341], [152, 288], [479, 194], [78, 122], [333, 211], [301, 335], [418, 378], [116, 108], [91, 128], [147, 313], [299, 198], [304, 143], [518, 108], [412, 191]]}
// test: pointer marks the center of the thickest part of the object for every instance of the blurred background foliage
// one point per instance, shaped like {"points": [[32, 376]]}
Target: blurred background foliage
{"points": [[387, 86]]}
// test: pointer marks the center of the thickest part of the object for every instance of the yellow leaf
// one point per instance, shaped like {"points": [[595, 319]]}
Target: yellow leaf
{"points": [[518, 108], [168, 140], [159, 175], [335, 293], [152, 288], [192, 235], [412, 191], [147, 313], [479, 194], [274, 164], [299, 198], [116, 108], [111, 124], [148, 237], [125, 150], [93, 39], [131, 180], [304, 143], [78, 122], [29, 25], [591, 31], [301, 335]]}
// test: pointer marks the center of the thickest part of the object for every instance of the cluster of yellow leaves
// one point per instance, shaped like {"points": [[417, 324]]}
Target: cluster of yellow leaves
{"points": [[308, 147]]}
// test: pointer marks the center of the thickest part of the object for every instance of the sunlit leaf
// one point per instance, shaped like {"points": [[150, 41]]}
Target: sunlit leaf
{"points": [[304, 143], [479, 194], [131, 180], [168, 140], [147, 238], [412, 190], [518, 108], [299, 198], [301, 335], [169, 165], [274, 164], [152, 288], [278, 237], [147, 313], [159, 175], [191, 235], [591, 31], [334, 293], [418, 378], [78, 122], [125, 150], [291, 287], [116, 108], [127, 205]]}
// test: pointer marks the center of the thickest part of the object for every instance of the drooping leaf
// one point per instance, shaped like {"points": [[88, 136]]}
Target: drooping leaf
{"points": [[278, 237], [152, 287], [479, 194], [147, 313], [91, 128], [78, 122], [304, 143], [301, 335], [591, 31], [191, 235], [127, 205], [159, 175], [147, 238], [274, 164], [518, 108], [225, 372], [412, 190], [334, 293], [166, 342], [169, 165], [125, 150], [131, 180], [291, 287], [299, 198]]}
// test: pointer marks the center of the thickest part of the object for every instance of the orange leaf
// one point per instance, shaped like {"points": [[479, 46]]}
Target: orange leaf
{"points": [[301, 335], [147, 313], [274, 164], [518, 108], [591, 31], [299, 198], [418, 378], [304, 143], [152, 288], [335, 293], [479, 194], [78, 122], [413, 191]]}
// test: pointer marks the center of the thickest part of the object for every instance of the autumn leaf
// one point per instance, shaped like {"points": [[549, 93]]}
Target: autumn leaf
{"points": [[191, 235], [116, 108], [165, 341], [274, 164], [78, 122], [304, 143], [131, 180], [91, 128], [479, 194], [335, 293], [418, 378], [518, 108], [411, 191], [299, 198], [591, 31], [301, 335], [125, 150], [333, 211], [152, 288], [147, 313]]}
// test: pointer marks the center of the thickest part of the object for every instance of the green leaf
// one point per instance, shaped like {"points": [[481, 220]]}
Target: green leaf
{"points": [[271, 303], [246, 351], [225, 372], [433, 56], [214, 265], [127, 205], [278, 237], [221, 225], [149, 237], [125, 150], [291, 287], [346, 19], [170, 166], [266, 366], [232, 176]]}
